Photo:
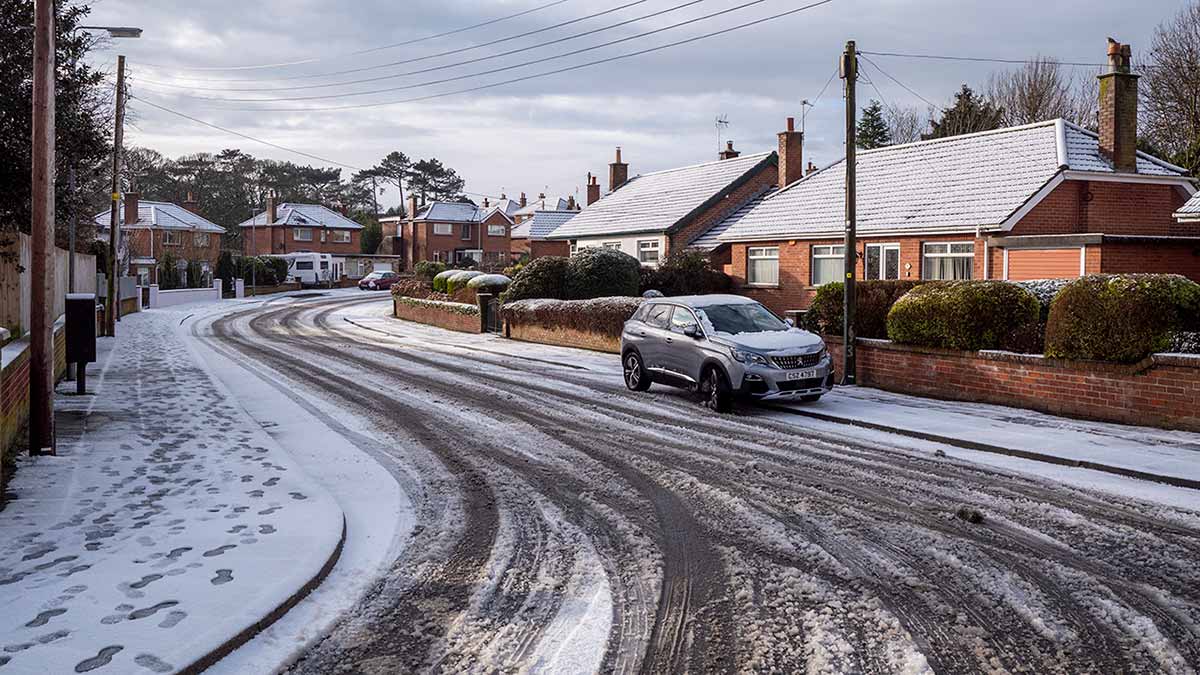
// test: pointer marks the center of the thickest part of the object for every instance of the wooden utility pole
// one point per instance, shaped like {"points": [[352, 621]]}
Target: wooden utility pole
{"points": [[850, 75], [111, 307], [41, 263]]}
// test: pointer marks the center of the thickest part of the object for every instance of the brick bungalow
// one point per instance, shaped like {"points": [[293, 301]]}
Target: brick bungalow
{"points": [[450, 232], [655, 213], [294, 228], [151, 229], [1046, 200], [529, 237]]}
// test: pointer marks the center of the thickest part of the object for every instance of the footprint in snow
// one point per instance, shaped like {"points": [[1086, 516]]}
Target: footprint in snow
{"points": [[223, 577], [172, 619], [220, 550], [154, 663], [103, 658], [44, 617]]}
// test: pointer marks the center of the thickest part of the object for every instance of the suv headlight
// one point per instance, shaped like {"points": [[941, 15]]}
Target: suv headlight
{"points": [[823, 353], [749, 357]]}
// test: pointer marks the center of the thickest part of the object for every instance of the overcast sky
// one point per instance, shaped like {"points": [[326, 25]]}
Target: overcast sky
{"points": [[546, 133]]}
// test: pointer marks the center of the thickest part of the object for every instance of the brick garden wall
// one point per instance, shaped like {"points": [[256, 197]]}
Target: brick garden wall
{"points": [[434, 315], [1161, 390], [563, 337], [14, 390]]}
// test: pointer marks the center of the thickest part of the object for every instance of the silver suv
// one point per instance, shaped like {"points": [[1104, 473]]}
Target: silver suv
{"points": [[723, 346]]}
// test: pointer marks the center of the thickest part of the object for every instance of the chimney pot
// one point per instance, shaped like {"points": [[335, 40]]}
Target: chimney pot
{"points": [[728, 152], [131, 208], [791, 124]]}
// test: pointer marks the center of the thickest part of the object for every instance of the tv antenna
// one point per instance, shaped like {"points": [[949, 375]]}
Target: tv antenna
{"points": [[721, 123]]}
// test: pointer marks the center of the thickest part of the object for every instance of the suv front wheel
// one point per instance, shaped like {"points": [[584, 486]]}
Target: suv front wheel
{"points": [[636, 377], [715, 392]]}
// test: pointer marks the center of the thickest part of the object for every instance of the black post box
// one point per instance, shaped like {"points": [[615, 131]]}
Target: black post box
{"points": [[81, 335]]}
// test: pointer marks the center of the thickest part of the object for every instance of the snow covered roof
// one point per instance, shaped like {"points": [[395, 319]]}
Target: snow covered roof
{"points": [[659, 201], [304, 215], [161, 215], [542, 204], [451, 212], [1190, 211], [960, 183], [711, 239], [508, 206], [542, 224]]}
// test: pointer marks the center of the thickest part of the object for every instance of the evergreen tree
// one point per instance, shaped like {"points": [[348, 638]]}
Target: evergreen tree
{"points": [[969, 114], [873, 129]]}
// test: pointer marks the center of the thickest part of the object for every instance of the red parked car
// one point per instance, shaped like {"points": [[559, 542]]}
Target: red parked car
{"points": [[378, 281]]}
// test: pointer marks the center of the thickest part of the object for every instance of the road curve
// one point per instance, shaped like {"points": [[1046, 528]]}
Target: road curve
{"points": [[568, 525]]}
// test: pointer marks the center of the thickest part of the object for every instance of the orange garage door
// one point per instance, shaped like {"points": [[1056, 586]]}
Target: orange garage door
{"points": [[1043, 263]]}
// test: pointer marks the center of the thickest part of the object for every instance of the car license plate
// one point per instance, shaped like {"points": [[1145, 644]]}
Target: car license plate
{"points": [[801, 375]]}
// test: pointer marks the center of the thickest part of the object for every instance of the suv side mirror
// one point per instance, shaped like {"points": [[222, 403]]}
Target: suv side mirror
{"points": [[790, 322], [692, 331]]}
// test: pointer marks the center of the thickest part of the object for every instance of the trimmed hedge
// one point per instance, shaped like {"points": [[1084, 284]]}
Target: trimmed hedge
{"points": [[489, 283], [542, 278], [412, 288], [1122, 318], [605, 316], [441, 278], [873, 301], [966, 316], [459, 281], [601, 273], [686, 272], [427, 269], [452, 307]]}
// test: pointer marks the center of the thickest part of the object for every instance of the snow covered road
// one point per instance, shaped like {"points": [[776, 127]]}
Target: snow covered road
{"points": [[567, 525]]}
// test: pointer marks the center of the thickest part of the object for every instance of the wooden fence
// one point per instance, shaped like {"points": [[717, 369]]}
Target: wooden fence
{"points": [[14, 282]]}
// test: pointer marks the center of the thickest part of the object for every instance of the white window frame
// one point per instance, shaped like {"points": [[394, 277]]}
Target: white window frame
{"points": [[615, 245], [200, 239], [306, 236], [647, 246], [171, 238], [754, 253], [497, 230], [948, 253], [341, 236], [883, 249], [827, 252], [443, 229]]}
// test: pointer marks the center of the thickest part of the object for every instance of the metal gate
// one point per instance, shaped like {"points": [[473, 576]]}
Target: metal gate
{"points": [[492, 322]]}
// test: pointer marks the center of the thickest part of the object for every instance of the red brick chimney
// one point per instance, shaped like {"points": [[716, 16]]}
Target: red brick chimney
{"points": [[1118, 109], [412, 206], [728, 152], [593, 189], [131, 208], [618, 173], [810, 169], [571, 203], [791, 154], [523, 202], [272, 210], [485, 202], [191, 204]]}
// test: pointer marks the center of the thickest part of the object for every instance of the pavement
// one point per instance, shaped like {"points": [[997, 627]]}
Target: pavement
{"points": [[169, 528]]}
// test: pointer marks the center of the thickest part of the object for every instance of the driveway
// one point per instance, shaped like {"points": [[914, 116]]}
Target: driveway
{"points": [[567, 525]]}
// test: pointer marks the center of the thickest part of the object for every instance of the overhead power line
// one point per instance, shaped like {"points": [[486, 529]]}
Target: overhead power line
{"points": [[366, 51], [903, 86], [446, 66], [532, 62]]}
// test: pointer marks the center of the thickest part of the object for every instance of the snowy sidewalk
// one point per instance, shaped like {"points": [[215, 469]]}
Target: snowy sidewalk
{"points": [[1114, 448], [169, 525]]}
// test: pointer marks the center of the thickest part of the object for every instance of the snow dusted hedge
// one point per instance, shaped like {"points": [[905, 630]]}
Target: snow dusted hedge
{"points": [[489, 283], [967, 316], [452, 307], [1122, 318], [873, 301], [605, 316]]}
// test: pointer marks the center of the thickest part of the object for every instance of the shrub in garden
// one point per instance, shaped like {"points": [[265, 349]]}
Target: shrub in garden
{"points": [[966, 315], [1121, 318], [489, 283], [256, 270], [459, 281], [542, 278], [513, 270], [412, 288], [873, 301], [279, 268], [686, 272], [226, 270], [440, 279], [427, 269], [606, 316], [602, 272]]}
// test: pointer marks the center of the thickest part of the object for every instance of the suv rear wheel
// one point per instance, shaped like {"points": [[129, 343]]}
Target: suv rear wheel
{"points": [[636, 377], [714, 389]]}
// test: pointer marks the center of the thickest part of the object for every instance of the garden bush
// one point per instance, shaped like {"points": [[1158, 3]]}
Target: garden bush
{"points": [[412, 288], [226, 270], [427, 269], [686, 272], [459, 281], [279, 268], [489, 283], [542, 278], [256, 270], [966, 315], [873, 301], [602, 272], [1122, 318], [441, 278], [606, 316]]}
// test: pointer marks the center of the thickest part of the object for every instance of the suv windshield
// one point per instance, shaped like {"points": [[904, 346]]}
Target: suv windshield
{"points": [[741, 318]]}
